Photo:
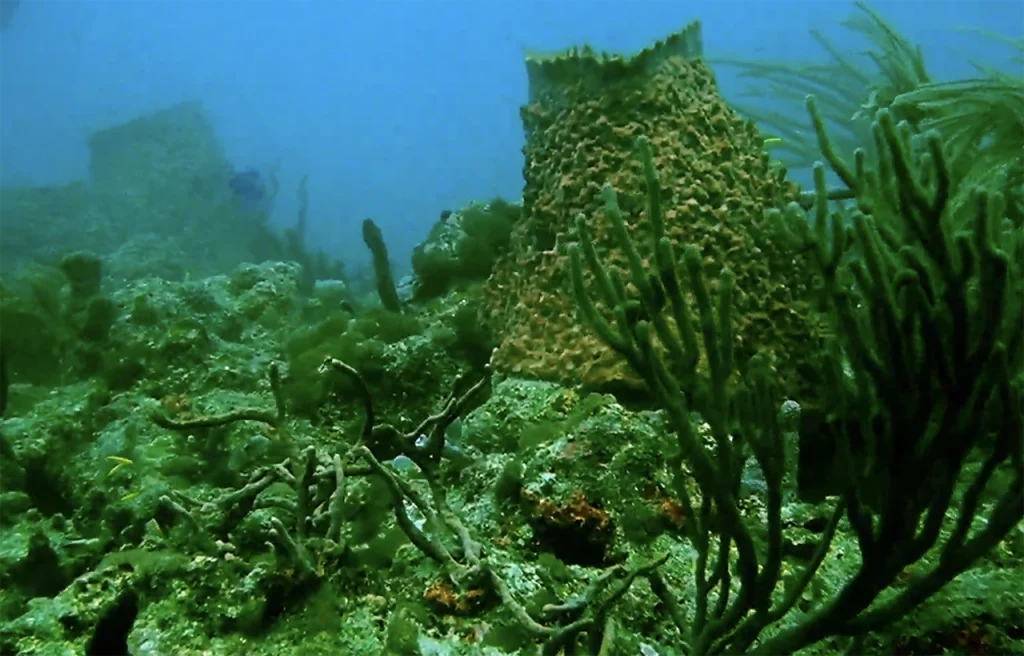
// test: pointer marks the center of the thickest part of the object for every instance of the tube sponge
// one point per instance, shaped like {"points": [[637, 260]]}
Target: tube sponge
{"points": [[381, 266]]}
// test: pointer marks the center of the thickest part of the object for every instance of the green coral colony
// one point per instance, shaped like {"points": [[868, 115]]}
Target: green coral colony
{"points": [[670, 403]]}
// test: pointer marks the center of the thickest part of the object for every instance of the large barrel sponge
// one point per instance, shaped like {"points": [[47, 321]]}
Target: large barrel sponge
{"points": [[584, 115]]}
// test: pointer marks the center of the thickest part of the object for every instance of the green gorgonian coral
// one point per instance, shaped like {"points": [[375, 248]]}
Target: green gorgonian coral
{"points": [[924, 368]]}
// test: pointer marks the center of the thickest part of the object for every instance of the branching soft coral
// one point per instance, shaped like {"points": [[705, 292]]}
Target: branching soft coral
{"points": [[925, 362]]}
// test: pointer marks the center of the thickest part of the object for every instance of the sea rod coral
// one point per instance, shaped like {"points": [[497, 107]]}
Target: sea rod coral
{"points": [[921, 322]]}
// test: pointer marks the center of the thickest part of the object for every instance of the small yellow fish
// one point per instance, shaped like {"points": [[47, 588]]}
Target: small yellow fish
{"points": [[121, 462], [772, 141]]}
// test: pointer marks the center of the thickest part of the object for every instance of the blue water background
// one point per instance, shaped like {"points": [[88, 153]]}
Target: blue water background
{"points": [[395, 110]]}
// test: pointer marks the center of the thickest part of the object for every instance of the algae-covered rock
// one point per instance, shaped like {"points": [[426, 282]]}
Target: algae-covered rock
{"points": [[43, 223], [463, 246], [556, 485], [149, 255], [34, 327], [84, 272], [399, 361], [584, 459]]}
